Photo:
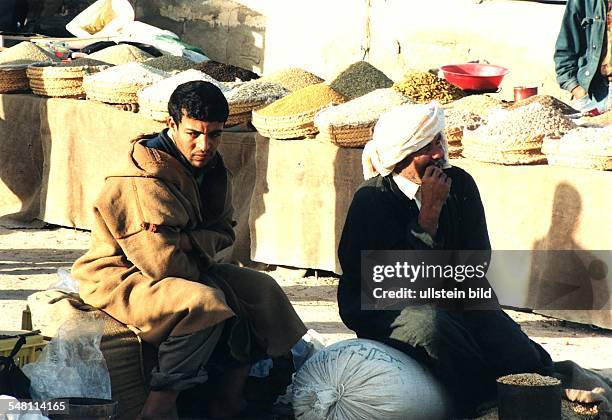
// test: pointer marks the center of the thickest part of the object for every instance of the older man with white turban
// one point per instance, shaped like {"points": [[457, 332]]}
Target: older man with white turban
{"points": [[413, 200]]}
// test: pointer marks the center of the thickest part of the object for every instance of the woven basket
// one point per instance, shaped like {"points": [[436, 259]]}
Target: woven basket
{"points": [[237, 119], [504, 157], [13, 79], [287, 127], [347, 136], [603, 163], [53, 71], [244, 107], [154, 114], [112, 98]]}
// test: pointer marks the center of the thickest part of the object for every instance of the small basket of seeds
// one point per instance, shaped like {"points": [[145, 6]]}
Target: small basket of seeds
{"points": [[515, 137], [62, 80], [529, 396], [293, 116], [352, 124], [246, 97], [588, 148]]}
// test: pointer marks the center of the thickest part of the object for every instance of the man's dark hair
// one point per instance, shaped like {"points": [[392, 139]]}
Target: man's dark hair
{"points": [[198, 100]]}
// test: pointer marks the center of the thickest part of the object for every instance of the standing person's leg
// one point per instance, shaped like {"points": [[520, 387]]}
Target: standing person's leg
{"points": [[181, 365]]}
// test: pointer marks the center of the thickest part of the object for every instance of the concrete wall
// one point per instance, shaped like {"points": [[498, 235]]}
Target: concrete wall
{"points": [[325, 36]]}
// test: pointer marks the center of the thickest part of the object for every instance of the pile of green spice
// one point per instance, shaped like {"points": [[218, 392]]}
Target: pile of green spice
{"points": [[359, 79], [169, 63]]}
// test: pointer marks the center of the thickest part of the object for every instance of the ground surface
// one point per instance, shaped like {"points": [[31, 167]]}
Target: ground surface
{"points": [[29, 260]]}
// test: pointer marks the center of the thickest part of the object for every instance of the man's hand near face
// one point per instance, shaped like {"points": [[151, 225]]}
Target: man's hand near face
{"points": [[435, 186]]}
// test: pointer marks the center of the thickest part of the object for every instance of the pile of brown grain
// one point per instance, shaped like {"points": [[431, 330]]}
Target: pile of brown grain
{"points": [[293, 78], [423, 87], [225, 72]]}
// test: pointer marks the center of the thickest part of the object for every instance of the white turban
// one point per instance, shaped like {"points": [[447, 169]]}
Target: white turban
{"points": [[399, 132]]}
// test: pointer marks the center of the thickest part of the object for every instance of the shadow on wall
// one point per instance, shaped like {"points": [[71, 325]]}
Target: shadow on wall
{"points": [[21, 158], [226, 31], [563, 275]]}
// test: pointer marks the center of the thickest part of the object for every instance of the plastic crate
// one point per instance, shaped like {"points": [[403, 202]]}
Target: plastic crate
{"points": [[28, 353]]}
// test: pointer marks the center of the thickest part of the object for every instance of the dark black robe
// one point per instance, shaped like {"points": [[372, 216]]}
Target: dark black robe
{"points": [[466, 349]]}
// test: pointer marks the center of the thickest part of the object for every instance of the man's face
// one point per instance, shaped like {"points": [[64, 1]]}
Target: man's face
{"points": [[417, 162], [197, 140]]}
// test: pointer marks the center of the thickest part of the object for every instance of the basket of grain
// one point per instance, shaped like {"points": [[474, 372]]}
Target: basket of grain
{"points": [[251, 95], [515, 137], [121, 54], [456, 121], [589, 148], [13, 78], [293, 116], [14, 62], [359, 79], [63, 80], [153, 100], [293, 78], [352, 124], [120, 84], [423, 87], [225, 72], [529, 396]]}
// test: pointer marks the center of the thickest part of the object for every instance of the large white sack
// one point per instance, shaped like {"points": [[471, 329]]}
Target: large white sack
{"points": [[364, 379]]}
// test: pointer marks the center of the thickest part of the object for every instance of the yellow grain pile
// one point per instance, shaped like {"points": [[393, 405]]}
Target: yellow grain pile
{"points": [[423, 87], [304, 100], [293, 115], [26, 53]]}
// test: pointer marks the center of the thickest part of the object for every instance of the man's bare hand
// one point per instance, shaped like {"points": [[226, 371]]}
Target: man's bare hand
{"points": [[578, 92], [435, 186]]}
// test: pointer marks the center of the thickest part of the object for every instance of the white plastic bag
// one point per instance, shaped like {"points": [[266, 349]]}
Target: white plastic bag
{"points": [[72, 364], [65, 282], [364, 379], [102, 18]]}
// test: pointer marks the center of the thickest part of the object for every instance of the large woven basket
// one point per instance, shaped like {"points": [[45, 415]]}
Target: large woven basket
{"points": [[236, 119], [603, 163], [54, 71], [504, 157], [286, 127], [347, 136], [13, 78], [236, 108]]}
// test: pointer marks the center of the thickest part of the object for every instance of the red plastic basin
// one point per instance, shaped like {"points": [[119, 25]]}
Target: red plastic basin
{"points": [[474, 76]]}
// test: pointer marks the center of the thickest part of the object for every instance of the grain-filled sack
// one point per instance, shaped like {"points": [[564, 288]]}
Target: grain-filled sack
{"points": [[351, 124], [363, 380]]}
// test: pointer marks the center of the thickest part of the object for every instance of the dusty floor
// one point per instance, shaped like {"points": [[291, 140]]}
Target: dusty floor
{"points": [[29, 260]]}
